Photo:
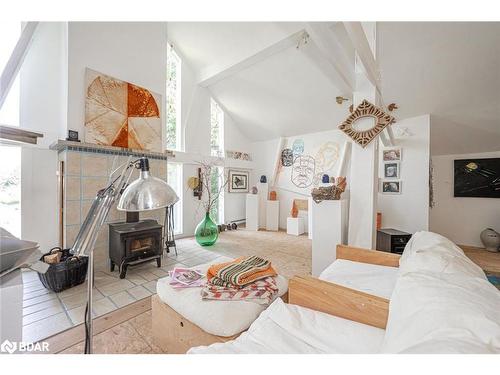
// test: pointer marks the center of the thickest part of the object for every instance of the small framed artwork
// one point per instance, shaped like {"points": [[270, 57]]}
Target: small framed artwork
{"points": [[391, 187], [238, 181], [392, 154], [391, 170]]}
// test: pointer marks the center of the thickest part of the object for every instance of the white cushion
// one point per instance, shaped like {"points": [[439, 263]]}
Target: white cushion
{"points": [[425, 239], [439, 258], [221, 318], [287, 329], [369, 278], [443, 313]]}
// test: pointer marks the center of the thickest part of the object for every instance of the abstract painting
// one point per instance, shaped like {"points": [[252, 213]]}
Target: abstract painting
{"points": [[118, 113], [287, 157], [238, 181], [478, 178]]}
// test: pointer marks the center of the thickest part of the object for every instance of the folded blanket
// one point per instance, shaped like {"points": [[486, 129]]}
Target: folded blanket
{"points": [[240, 272], [260, 291]]}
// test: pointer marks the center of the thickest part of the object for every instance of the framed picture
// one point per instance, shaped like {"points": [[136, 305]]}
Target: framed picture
{"points": [[238, 181], [391, 187], [477, 178], [392, 154], [391, 170]]}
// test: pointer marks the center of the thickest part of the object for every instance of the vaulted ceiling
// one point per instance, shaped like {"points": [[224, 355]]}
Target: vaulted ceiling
{"points": [[272, 88]]}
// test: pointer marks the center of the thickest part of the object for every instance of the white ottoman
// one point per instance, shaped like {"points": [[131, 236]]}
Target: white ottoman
{"points": [[196, 320]]}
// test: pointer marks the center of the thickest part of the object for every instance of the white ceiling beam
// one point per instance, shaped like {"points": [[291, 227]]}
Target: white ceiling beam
{"points": [[330, 48], [212, 75], [16, 59], [362, 46]]}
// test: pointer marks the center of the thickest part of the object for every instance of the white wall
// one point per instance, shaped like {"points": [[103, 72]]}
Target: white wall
{"points": [[43, 100], [43, 108], [461, 219], [195, 117], [39, 199], [409, 211], [264, 156]]}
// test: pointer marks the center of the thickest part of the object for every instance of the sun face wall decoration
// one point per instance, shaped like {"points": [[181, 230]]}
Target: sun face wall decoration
{"points": [[366, 109], [118, 113]]}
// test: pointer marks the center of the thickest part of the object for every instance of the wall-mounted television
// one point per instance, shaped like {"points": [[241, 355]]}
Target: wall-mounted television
{"points": [[479, 178]]}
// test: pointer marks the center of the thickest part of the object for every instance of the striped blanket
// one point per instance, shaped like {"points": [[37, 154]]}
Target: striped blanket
{"points": [[261, 292], [240, 272]]}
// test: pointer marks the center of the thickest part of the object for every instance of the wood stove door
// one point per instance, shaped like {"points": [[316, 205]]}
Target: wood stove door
{"points": [[142, 246]]}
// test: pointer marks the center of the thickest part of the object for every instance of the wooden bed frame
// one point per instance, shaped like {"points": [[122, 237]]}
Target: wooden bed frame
{"points": [[174, 334]]}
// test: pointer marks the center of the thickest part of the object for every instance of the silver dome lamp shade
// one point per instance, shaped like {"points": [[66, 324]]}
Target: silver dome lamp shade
{"points": [[147, 192]]}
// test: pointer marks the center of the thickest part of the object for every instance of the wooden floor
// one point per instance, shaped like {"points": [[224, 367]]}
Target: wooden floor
{"points": [[128, 330], [488, 261]]}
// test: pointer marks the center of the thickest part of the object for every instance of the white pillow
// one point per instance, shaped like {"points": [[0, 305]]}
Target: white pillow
{"points": [[445, 313], [425, 239], [439, 258]]}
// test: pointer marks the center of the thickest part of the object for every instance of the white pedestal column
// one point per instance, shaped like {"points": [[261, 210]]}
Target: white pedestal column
{"points": [[263, 193], [295, 225], [329, 229], [252, 212], [272, 215], [11, 307]]}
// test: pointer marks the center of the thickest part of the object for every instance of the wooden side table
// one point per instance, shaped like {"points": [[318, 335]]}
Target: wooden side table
{"points": [[488, 261]]}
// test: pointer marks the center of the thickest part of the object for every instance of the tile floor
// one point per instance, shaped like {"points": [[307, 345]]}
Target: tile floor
{"points": [[46, 313]]}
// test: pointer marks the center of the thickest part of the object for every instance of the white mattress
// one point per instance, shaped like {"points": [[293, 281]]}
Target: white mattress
{"points": [[221, 318], [369, 278], [291, 329]]}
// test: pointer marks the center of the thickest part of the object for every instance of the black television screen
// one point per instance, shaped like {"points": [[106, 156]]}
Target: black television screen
{"points": [[478, 178]]}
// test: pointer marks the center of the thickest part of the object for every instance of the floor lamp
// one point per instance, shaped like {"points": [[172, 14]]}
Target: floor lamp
{"points": [[144, 194]]}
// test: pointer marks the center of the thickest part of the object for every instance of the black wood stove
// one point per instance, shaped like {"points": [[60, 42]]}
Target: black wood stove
{"points": [[134, 242]]}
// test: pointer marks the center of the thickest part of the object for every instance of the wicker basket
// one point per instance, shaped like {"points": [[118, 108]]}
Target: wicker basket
{"points": [[69, 272]]}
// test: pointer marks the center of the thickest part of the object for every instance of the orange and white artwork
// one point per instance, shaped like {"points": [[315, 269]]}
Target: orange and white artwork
{"points": [[118, 113]]}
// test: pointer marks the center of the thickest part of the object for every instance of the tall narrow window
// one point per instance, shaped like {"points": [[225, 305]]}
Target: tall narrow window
{"points": [[174, 132], [216, 129], [216, 181], [10, 170], [174, 179]]}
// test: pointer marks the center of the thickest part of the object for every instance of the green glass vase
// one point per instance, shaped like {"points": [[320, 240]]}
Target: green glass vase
{"points": [[206, 232]]}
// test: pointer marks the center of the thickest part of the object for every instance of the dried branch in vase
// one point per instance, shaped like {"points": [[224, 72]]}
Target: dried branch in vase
{"points": [[210, 171]]}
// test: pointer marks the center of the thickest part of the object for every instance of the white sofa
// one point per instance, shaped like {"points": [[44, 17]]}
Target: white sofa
{"points": [[441, 302]]}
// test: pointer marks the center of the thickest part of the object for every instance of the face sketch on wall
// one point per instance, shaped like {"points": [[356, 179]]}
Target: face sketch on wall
{"points": [[303, 171], [326, 158]]}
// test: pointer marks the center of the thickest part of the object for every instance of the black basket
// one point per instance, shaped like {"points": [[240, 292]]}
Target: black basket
{"points": [[69, 272]]}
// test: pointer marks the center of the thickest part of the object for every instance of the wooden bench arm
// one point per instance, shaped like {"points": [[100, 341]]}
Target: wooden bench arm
{"points": [[337, 300], [357, 254]]}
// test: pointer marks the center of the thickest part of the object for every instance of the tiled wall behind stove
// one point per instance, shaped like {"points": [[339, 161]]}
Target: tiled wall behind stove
{"points": [[85, 174]]}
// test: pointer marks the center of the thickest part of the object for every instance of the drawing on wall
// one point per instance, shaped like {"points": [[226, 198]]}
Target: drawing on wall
{"points": [[326, 158], [118, 113], [238, 181], [391, 154], [391, 187], [298, 147], [287, 157], [303, 171], [478, 178], [238, 155], [391, 170]]}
